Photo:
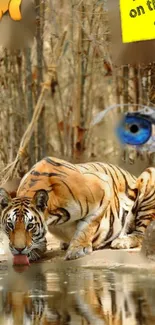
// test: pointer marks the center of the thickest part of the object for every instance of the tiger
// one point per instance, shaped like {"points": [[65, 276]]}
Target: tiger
{"points": [[84, 205]]}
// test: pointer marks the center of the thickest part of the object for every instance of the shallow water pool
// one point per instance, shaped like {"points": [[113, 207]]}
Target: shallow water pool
{"points": [[64, 296]]}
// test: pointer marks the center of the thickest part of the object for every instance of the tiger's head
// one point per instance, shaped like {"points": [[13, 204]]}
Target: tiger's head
{"points": [[22, 219]]}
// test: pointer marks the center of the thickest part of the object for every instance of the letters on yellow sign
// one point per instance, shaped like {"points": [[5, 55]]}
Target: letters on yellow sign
{"points": [[12, 6], [137, 20]]}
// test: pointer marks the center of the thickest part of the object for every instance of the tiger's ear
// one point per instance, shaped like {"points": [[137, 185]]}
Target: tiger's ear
{"points": [[5, 199], [40, 199]]}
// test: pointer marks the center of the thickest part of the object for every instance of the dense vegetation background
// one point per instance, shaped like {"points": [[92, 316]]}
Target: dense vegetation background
{"points": [[70, 67]]}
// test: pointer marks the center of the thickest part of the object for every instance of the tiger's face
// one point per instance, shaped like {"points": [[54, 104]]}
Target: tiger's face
{"points": [[23, 222]]}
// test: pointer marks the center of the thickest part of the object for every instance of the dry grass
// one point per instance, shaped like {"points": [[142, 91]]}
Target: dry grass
{"points": [[72, 52]]}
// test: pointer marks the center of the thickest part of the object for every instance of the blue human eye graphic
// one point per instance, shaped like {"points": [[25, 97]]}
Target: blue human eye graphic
{"points": [[134, 130]]}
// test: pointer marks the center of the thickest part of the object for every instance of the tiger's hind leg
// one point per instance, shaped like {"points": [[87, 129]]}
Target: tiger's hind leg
{"points": [[131, 235], [135, 238], [128, 241], [141, 215]]}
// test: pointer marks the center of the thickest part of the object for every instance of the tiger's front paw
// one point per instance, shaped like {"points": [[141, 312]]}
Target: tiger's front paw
{"points": [[77, 252], [125, 242]]}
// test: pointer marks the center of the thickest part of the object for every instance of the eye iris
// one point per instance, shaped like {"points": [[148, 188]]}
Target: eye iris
{"points": [[30, 226], [10, 225], [134, 128]]}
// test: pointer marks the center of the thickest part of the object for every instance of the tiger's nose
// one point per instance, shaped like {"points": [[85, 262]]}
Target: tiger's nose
{"points": [[20, 249]]}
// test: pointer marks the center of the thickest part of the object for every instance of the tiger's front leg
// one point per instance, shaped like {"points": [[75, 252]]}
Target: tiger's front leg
{"points": [[81, 243]]}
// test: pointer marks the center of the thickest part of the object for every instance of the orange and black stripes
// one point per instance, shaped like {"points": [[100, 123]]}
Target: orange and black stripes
{"points": [[79, 189], [92, 200]]}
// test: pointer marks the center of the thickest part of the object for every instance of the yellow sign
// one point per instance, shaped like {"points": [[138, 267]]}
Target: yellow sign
{"points": [[137, 20], [12, 6]]}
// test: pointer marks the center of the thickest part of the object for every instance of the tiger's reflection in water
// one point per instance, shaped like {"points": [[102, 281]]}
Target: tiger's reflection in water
{"points": [[77, 297]]}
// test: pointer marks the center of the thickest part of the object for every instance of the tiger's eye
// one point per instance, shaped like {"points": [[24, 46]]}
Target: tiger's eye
{"points": [[30, 226], [10, 225]]}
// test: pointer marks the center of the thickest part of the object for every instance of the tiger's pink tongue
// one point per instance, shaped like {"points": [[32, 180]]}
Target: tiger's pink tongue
{"points": [[20, 260]]}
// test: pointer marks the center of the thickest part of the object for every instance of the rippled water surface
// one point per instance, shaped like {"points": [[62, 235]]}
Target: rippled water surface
{"points": [[42, 295]]}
